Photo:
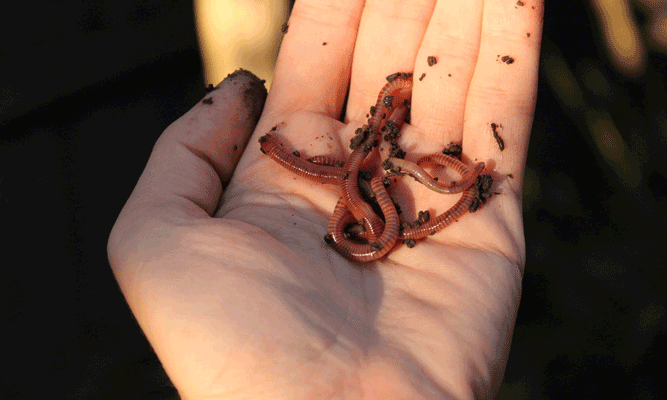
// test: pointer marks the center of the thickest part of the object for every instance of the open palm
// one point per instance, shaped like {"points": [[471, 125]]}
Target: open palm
{"points": [[232, 282]]}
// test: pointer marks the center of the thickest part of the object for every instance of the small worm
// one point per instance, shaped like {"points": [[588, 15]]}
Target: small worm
{"points": [[378, 247], [468, 174], [413, 169], [369, 237], [402, 83], [339, 220], [349, 188], [438, 223], [395, 120], [326, 160], [318, 173], [352, 197]]}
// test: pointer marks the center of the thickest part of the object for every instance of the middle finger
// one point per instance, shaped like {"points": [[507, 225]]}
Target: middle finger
{"points": [[389, 35]]}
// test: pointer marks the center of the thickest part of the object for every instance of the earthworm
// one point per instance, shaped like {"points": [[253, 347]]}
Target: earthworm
{"points": [[391, 131], [378, 247], [326, 160], [438, 223], [349, 188], [352, 197], [430, 227], [372, 238], [468, 175], [467, 178], [297, 165], [339, 220], [402, 82]]}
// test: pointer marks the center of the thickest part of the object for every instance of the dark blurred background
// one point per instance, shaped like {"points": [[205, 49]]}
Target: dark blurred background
{"points": [[87, 87]]}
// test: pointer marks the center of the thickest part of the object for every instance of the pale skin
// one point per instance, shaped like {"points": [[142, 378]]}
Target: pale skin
{"points": [[219, 252]]}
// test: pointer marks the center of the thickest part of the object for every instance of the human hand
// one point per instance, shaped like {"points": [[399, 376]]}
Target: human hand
{"points": [[240, 296]]}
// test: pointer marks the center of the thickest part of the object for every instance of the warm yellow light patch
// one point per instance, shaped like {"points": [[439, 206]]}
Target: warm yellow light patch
{"points": [[237, 34], [621, 35]]}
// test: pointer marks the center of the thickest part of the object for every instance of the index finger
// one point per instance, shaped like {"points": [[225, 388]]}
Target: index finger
{"points": [[313, 68]]}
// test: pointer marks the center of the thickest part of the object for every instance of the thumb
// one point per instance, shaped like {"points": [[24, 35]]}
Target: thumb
{"points": [[218, 128], [182, 183], [190, 164], [196, 155]]}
